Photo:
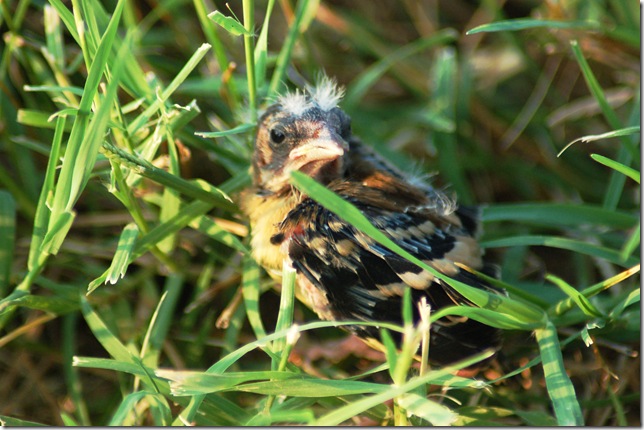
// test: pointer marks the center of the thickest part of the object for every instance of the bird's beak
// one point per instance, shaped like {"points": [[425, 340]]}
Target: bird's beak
{"points": [[320, 157]]}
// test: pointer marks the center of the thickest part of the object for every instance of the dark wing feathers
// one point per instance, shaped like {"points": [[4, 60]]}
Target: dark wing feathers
{"points": [[366, 283]]}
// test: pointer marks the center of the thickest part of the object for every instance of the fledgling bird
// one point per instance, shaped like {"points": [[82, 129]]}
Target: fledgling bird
{"points": [[342, 274]]}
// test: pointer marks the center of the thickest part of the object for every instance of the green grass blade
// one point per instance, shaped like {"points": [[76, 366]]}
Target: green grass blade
{"points": [[429, 410], [170, 200], [444, 99], [251, 293], [249, 48], [558, 214], [198, 189], [230, 24], [171, 88], [560, 388], [161, 321], [56, 232], [627, 151], [188, 383], [632, 298], [103, 334], [597, 91], [209, 227], [582, 302], [504, 321], [121, 259], [261, 48], [285, 315], [242, 128], [7, 239], [127, 407], [626, 131], [310, 387], [54, 36], [566, 304], [41, 219], [631, 243], [352, 409], [54, 89], [562, 243], [17, 422], [72, 375], [528, 23], [67, 18], [111, 364], [617, 166], [81, 151], [284, 56]]}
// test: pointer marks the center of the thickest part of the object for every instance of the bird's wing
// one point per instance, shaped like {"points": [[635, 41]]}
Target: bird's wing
{"points": [[362, 280]]}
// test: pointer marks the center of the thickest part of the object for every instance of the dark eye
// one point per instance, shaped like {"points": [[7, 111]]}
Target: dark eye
{"points": [[277, 135]]}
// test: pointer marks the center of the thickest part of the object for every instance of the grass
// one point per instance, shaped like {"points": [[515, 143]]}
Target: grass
{"points": [[127, 293]]}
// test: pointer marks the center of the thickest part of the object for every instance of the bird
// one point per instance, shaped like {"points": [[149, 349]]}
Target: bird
{"points": [[341, 273]]}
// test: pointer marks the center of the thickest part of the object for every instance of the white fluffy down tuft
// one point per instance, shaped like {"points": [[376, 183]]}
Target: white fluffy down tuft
{"points": [[295, 102], [326, 95]]}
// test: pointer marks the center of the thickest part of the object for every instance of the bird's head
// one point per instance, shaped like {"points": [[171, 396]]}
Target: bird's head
{"points": [[303, 131]]}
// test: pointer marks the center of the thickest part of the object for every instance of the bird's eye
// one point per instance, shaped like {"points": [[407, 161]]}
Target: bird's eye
{"points": [[277, 135]]}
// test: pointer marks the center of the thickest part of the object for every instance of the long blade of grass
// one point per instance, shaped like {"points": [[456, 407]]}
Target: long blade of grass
{"points": [[558, 214], [562, 243], [171, 88], [230, 24], [312, 387], [528, 23], [17, 422], [72, 376], [126, 407], [566, 304], [301, 11], [103, 334], [249, 48], [560, 388], [261, 48], [41, 220], [188, 383], [429, 410], [242, 128], [285, 315], [352, 409], [631, 243], [627, 151], [580, 300], [81, 151], [198, 189], [189, 412], [626, 131], [444, 98], [161, 321], [251, 293], [7, 239], [617, 166], [111, 343]]}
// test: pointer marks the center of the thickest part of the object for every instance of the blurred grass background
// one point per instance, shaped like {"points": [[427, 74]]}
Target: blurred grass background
{"points": [[487, 112]]}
